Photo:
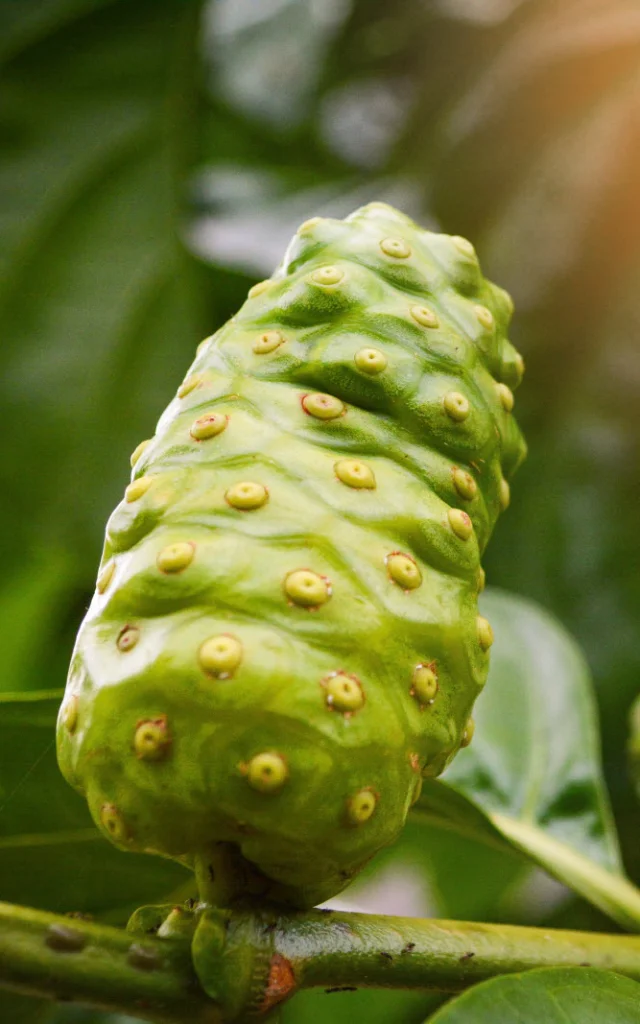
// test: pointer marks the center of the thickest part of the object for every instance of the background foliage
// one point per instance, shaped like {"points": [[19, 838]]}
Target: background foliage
{"points": [[155, 158]]}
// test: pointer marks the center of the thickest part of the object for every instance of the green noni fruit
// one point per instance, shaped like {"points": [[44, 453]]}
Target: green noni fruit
{"points": [[285, 636]]}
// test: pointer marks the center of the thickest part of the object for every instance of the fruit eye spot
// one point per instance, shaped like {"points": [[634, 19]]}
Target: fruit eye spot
{"points": [[460, 523], [464, 483], [484, 317], [468, 732], [207, 426], [505, 395], [361, 806], [137, 452], [396, 247], [127, 638], [355, 474], [424, 684], [220, 656], [485, 633], [246, 496], [327, 276], [403, 570], [258, 289], [456, 406], [176, 557], [306, 588], [343, 692], [105, 577], [69, 714], [323, 407], [267, 342], [370, 360], [424, 316], [136, 489], [151, 740], [112, 821], [189, 385], [266, 773]]}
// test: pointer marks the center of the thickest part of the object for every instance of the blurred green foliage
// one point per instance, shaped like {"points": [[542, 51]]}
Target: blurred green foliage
{"points": [[155, 158]]}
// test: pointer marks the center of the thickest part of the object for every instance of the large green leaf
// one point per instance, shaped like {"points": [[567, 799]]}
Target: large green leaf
{"points": [[553, 995], [99, 305], [532, 775]]}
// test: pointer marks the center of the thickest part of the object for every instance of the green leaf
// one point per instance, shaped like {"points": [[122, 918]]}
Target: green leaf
{"points": [[553, 995], [32, 603], [51, 855], [374, 1006], [100, 305], [18, 1009], [532, 775]]}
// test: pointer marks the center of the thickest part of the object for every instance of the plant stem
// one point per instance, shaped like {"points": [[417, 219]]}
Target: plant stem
{"points": [[60, 958], [361, 950], [153, 978]]}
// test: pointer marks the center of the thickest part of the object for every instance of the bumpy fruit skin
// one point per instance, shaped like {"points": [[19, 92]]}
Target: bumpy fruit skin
{"points": [[284, 637]]}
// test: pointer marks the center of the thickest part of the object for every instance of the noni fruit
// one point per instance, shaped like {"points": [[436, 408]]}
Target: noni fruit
{"points": [[284, 637]]}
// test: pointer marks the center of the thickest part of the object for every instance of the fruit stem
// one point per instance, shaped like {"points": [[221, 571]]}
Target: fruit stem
{"points": [[62, 958], [222, 875], [154, 979]]}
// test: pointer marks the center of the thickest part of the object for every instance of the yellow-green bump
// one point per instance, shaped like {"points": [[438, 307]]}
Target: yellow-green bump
{"points": [[468, 732], [209, 425], [258, 289], [355, 473], [464, 483], [327, 276], [343, 692], [395, 247], [190, 384], [361, 806], [370, 360], [136, 489], [309, 225], [105, 576], [482, 579], [484, 317], [176, 557], [460, 523], [519, 368], [267, 772], [127, 638], [464, 246], [137, 452], [323, 407], [485, 632], [403, 570], [247, 495], [456, 406], [112, 821], [505, 395], [221, 655], [267, 342], [69, 714], [424, 683], [307, 588], [504, 494], [424, 316], [151, 740]]}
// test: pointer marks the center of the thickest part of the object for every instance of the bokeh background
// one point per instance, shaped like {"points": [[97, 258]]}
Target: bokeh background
{"points": [[155, 157]]}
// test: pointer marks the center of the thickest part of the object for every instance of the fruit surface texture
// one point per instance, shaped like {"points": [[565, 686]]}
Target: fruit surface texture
{"points": [[284, 638]]}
